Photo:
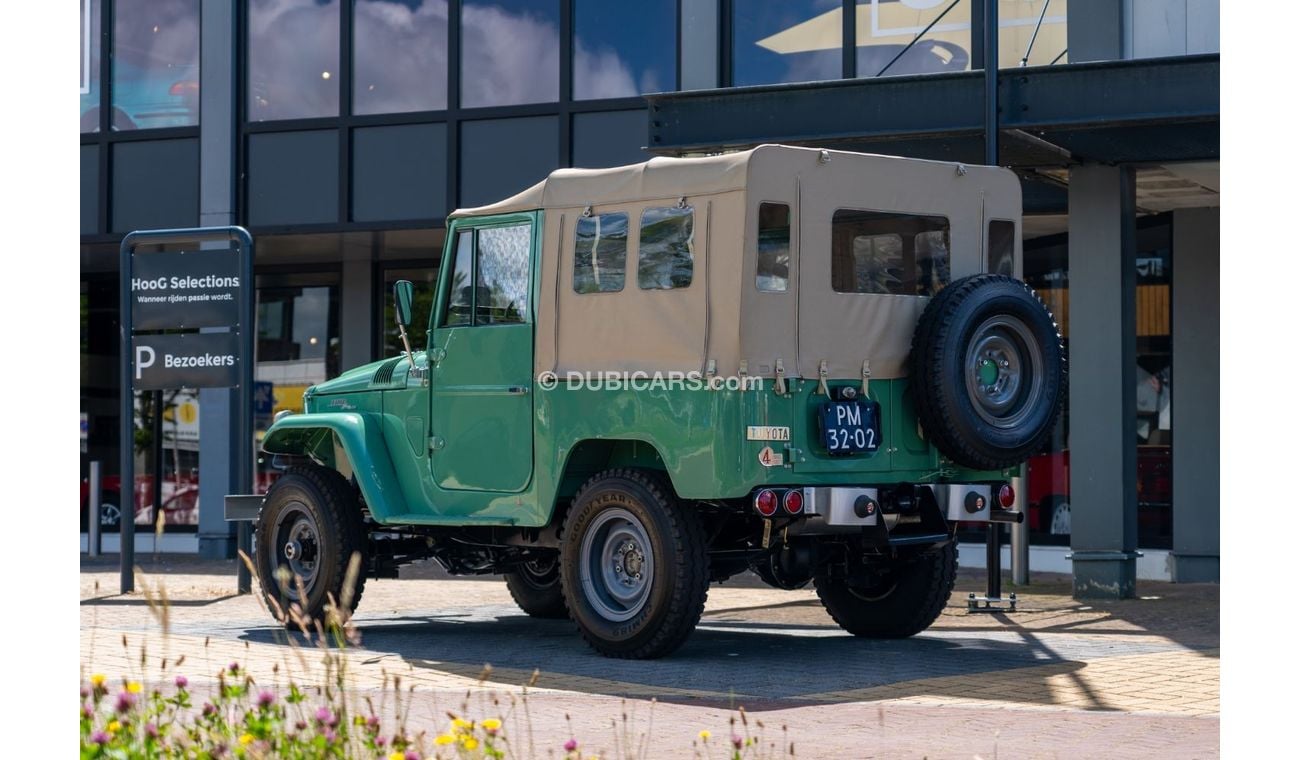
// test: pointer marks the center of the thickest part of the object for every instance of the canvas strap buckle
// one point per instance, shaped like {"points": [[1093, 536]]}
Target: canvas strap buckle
{"points": [[822, 373], [780, 378], [866, 376]]}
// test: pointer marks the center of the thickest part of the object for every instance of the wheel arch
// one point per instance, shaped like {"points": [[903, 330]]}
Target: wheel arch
{"points": [[588, 456], [351, 443]]}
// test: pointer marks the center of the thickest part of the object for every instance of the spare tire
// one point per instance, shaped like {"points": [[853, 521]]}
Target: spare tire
{"points": [[988, 372]]}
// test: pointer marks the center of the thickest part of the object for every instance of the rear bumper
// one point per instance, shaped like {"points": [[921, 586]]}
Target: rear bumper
{"points": [[956, 502], [924, 514]]}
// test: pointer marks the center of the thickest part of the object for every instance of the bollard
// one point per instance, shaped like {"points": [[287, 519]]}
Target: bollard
{"points": [[93, 506], [1019, 538]]}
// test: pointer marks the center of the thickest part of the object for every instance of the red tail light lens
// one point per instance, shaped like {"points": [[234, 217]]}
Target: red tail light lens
{"points": [[765, 502], [793, 502], [1006, 496]]}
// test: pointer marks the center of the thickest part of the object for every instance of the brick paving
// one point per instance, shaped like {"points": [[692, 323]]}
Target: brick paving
{"points": [[1137, 678]]}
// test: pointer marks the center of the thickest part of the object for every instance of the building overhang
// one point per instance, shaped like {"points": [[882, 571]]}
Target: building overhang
{"points": [[1155, 110]]}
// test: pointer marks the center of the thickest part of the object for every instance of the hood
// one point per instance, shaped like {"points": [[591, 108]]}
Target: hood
{"points": [[357, 379]]}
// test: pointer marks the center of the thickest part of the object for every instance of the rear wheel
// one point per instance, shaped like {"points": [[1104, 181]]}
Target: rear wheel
{"points": [[633, 565], [535, 587], [901, 603], [1060, 524], [307, 532]]}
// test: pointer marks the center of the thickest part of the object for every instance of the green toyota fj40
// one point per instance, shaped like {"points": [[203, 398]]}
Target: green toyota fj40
{"points": [[640, 380]]}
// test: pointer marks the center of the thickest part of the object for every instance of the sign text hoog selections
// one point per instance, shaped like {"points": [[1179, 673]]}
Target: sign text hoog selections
{"points": [[185, 289]]}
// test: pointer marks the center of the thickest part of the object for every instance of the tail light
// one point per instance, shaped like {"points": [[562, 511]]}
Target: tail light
{"points": [[765, 502], [793, 502], [1006, 496]]}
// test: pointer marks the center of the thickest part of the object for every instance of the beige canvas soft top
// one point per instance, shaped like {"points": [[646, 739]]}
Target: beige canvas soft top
{"points": [[722, 322], [657, 178]]}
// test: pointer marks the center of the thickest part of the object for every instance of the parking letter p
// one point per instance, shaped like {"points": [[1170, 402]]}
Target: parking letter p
{"points": [[141, 362]]}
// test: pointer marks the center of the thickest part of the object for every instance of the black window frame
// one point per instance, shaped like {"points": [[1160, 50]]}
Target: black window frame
{"points": [[106, 137], [453, 116]]}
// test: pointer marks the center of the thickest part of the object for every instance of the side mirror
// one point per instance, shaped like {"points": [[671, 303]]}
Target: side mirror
{"points": [[403, 294]]}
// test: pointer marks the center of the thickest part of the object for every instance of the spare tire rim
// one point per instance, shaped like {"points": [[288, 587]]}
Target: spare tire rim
{"points": [[617, 565], [1003, 371]]}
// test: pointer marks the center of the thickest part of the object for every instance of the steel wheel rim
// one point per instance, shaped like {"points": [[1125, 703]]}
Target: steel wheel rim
{"points": [[995, 367], [617, 565], [297, 548], [1061, 520]]}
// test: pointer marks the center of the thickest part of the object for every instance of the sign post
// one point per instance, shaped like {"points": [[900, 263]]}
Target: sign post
{"points": [[180, 292]]}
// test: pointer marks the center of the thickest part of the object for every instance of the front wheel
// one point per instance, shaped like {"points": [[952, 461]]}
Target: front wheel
{"points": [[535, 587], [901, 603], [307, 533], [633, 565]]}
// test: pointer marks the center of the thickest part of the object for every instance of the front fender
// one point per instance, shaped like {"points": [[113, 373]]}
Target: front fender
{"points": [[360, 436]]}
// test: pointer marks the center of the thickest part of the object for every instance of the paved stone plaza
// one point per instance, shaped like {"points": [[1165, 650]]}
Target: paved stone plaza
{"points": [[1060, 678]]}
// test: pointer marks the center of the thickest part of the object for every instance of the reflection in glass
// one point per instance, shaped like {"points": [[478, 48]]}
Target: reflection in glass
{"points": [[600, 253], [624, 49], [293, 59], [510, 52], [884, 30], [399, 56], [502, 279], [425, 280], [155, 63], [88, 62], [1002, 247], [666, 255], [895, 254], [773, 270], [461, 309], [776, 41]]}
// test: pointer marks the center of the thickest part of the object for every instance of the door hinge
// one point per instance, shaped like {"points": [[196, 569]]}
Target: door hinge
{"points": [[436, 443]]}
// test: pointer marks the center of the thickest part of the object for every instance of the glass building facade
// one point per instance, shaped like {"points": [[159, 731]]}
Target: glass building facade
{"points": [[356, 126]]}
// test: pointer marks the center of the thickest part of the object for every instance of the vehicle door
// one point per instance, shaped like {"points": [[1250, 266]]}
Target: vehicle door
{"points": [[482, 357]]}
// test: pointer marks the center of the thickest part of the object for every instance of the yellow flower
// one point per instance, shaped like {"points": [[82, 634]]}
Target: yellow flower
{"points": [[245, 740], [704, 735], [461, 725], [114, 726], [492, 724], [134, 687], [443, 739], [97, 680], [402, 755], [470, 742]]}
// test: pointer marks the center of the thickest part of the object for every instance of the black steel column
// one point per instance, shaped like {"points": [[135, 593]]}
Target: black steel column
{"points": [[994, 541], [991, 83], [126, 437], [156, 446]]}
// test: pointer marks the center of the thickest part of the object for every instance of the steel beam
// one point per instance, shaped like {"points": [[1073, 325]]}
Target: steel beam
{"points": [[1167, 107]]}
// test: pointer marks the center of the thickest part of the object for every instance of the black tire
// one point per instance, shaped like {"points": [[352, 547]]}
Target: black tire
{"points": [[1058, 516], [316, 510], [631, 522], [988, 372], [535, 587], [903, 606]]}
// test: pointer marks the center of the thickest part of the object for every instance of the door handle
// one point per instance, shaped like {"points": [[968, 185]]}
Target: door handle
{"points": [[517, 390]]}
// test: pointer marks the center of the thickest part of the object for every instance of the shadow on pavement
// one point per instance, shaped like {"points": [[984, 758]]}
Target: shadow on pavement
{"points": [[760, 666]]}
